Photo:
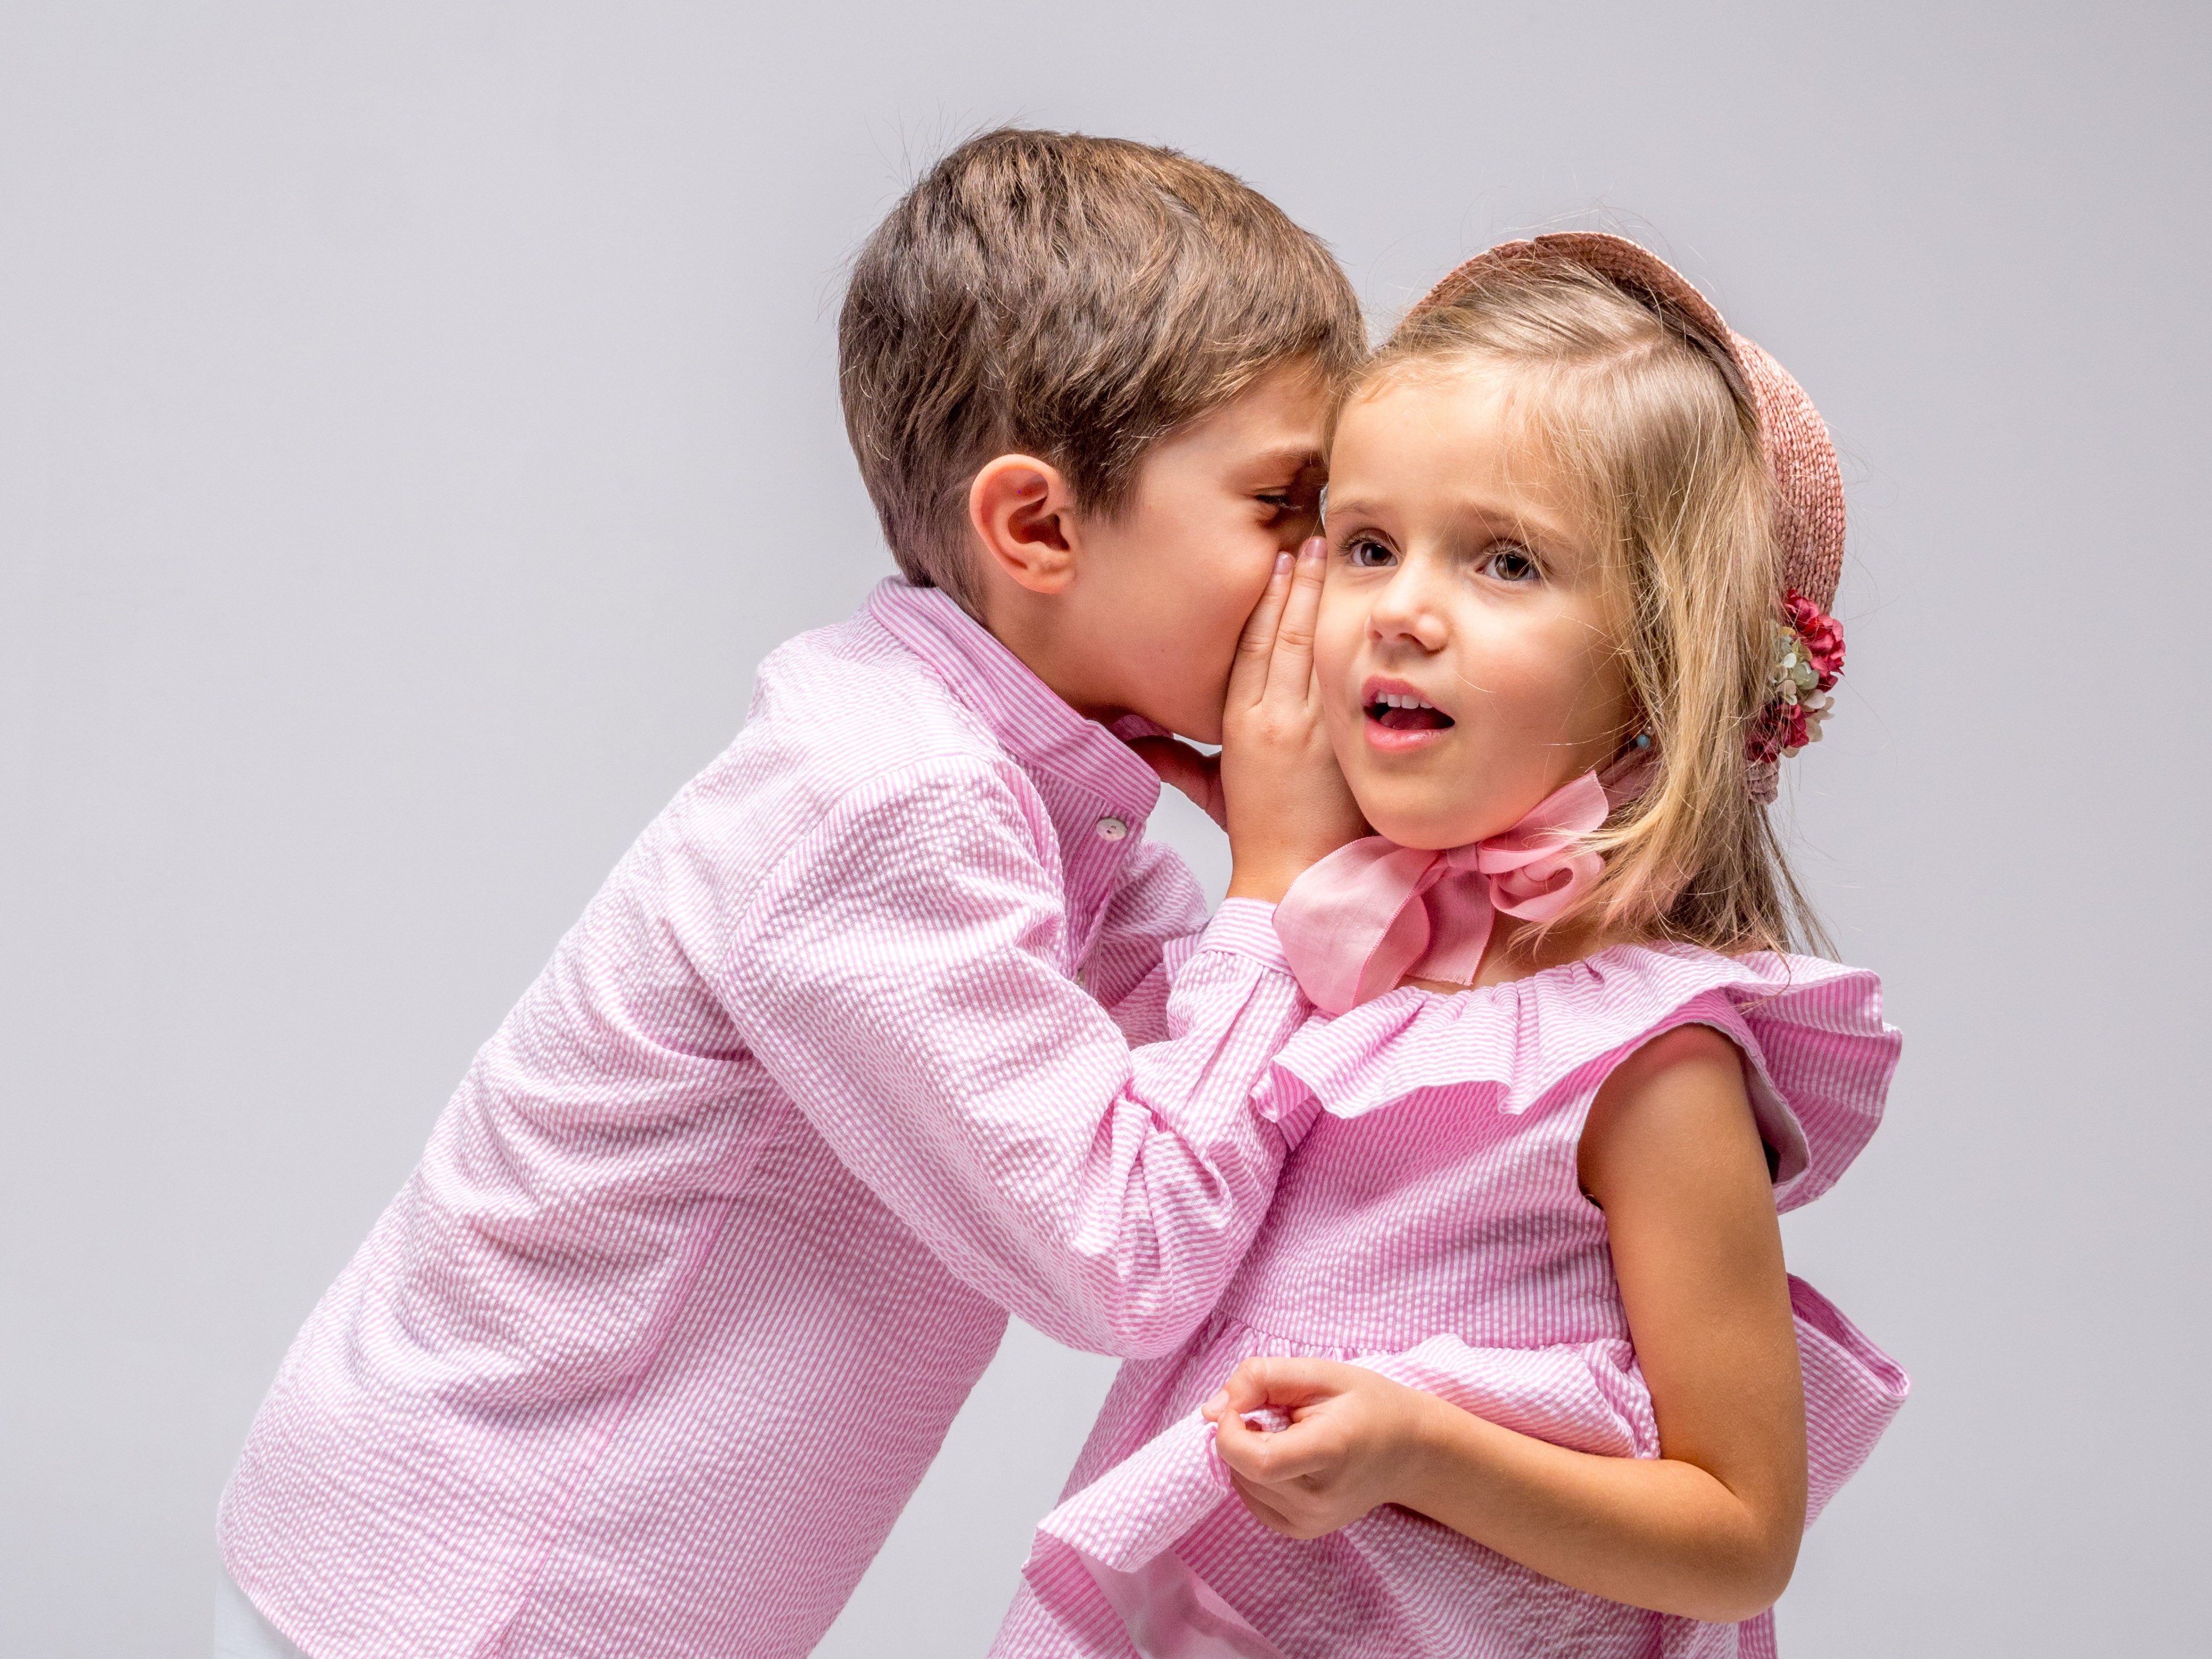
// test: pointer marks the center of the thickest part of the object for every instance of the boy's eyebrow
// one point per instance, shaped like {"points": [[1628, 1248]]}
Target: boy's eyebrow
{"points": [[1288, 457]]}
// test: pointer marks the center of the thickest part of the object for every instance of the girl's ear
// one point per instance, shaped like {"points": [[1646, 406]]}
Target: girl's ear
{"points": [[1024, 512]]}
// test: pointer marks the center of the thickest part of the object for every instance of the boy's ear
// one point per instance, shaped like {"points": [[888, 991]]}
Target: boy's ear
{"points": [[1024, 512]]}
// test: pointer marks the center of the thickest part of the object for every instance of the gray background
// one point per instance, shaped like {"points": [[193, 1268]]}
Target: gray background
{"points": [[416, 420]]}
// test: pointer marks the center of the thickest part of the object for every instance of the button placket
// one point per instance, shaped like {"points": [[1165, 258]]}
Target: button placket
{"points": [[1097, 883]]}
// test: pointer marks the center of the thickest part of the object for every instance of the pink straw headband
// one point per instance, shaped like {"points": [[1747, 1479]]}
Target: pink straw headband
{"points": [[1808, 488]]}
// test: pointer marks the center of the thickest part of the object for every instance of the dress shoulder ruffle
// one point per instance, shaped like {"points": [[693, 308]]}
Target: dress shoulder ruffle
{"points": [[1819, 1055]]}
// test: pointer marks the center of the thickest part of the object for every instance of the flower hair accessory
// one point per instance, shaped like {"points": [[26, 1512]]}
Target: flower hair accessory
{"points": [[1808, 660]]}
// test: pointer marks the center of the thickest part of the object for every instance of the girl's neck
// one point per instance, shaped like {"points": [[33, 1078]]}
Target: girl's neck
{"points": [[1502, 963]]}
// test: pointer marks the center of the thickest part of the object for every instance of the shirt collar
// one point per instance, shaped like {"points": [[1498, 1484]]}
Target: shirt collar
{"points": [[1027, 716]]}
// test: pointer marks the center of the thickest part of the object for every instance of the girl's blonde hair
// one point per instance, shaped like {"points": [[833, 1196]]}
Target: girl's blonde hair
{"points": [[1654, 426]]}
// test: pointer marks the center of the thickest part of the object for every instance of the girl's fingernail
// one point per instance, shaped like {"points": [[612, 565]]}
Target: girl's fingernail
{"points": [[1221, 1399], [1282, 562], [1314, 548]]}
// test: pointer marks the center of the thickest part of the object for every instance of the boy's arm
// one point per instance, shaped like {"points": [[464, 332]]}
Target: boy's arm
{"points": [[900, 974], [1156, 908]]}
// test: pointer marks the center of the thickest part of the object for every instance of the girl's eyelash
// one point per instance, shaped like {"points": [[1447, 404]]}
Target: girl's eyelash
{"points": [[1354, 544], [1515, 550]]}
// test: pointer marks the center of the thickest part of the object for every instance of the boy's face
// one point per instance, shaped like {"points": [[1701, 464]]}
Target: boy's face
{"points": [[1163, 589]]}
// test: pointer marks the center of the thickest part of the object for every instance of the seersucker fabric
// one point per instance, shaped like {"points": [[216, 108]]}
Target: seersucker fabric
{"points": [[1429, 1224], [724, 1221]]}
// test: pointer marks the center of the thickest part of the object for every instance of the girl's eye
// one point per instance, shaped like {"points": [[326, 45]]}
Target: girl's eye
{"points": [[1364, 553], [1512, 564]]}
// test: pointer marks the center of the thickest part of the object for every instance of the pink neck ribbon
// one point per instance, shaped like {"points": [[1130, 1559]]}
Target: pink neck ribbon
{"points": [[1374, 913]]}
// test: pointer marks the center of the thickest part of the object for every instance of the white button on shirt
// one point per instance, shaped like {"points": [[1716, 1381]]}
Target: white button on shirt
{"points": [[1112, 829]]}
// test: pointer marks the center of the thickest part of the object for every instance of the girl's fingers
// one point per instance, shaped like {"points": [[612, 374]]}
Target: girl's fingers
{"points": [[1242, 1447], [1277, 1380], [1262, 1512], [1271, 1459], [1248, 675]]}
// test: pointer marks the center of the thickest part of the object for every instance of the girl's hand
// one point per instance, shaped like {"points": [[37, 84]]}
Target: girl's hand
{"points": [[1708, 1529], [1354, 1437]]}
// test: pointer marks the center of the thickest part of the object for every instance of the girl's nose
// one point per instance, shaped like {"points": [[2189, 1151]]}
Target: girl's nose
{"points": [[1404, 612]]}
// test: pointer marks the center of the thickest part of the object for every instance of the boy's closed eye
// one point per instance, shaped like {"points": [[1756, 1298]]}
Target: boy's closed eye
{"points": [[1294, 491]]}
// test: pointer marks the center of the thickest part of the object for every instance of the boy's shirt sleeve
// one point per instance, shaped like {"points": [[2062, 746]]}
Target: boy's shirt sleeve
{"points": [[1157, 905], [901, 974]]}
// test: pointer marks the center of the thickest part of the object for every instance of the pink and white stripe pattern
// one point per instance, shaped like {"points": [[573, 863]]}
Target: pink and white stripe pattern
{"points": [[1430, 1225], [726, 1219]]}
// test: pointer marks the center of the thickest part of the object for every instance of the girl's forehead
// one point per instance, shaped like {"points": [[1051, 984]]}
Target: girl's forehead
{"points": [[1462, 446], [1491, 410]]}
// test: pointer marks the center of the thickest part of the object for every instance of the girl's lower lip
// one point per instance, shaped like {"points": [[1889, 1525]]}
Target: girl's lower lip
{"points": [[1390, 741]]}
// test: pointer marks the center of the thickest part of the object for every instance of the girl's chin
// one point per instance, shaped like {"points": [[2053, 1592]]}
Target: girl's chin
{"points": [[1391, 815], [1432, 812]]}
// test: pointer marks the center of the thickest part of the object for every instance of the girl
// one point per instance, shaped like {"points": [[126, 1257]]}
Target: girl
{"points": [[1524, 1370]]}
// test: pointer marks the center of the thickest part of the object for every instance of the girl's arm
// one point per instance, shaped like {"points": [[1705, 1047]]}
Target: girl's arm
{"points": [[1710, 1528]]}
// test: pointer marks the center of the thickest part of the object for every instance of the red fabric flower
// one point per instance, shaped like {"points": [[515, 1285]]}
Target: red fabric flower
{"points": [[1813, 641], [1771, 733], [1824, 639]]}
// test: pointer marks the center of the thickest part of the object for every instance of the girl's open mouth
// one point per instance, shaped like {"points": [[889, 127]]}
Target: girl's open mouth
{"points": [[1399, 717], [1397, 707], [1406, 715]]}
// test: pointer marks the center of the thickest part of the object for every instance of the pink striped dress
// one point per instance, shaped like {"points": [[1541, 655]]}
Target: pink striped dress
{"points": [[1429, 1224]]}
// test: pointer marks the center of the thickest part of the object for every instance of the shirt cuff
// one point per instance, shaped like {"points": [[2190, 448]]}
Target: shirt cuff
{"points": [[1246, 927]]}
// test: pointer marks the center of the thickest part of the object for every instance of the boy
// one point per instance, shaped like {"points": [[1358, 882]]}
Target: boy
{"points": [[837, 1070]]}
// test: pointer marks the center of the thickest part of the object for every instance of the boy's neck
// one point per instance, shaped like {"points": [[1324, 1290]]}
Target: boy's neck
{"points": [[1034, 627]]}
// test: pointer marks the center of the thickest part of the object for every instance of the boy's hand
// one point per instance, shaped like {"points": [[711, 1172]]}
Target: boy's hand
{"points": [[1275, 786], [1353, 1438], [1287, 804], [1193, 771]]}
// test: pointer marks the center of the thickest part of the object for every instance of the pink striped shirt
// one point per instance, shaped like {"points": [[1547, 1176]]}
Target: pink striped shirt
{"points": [[725, 1220], [1430, 1224]]}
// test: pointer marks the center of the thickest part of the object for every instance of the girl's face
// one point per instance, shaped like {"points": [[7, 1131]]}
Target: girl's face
{"points": [[1464, 581]]}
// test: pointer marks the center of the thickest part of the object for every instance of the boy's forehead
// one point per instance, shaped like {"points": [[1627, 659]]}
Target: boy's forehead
{"points": [[1293, 457], [1279, 419]]}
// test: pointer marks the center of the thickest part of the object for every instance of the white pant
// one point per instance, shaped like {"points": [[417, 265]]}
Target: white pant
{"points": [[241, 1632]]}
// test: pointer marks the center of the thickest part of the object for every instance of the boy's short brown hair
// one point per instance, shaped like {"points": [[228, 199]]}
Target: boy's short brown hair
{"points": [[1075, 298]]}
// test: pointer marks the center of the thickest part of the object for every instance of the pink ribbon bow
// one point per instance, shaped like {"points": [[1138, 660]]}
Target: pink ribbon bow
{"points": [[1373, 913]]}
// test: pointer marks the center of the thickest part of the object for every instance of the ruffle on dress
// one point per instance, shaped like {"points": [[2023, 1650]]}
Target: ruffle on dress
{"points": [[1586, 1396], [1819, 1059], [1819, 1056], [1122, 1528]]}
